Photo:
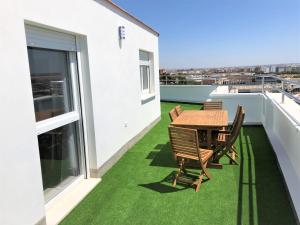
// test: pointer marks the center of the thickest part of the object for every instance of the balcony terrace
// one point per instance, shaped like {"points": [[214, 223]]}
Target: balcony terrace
{"points": [[138, 189]]}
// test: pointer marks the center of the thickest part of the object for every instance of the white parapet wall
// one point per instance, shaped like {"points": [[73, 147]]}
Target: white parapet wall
{"points": [[252, 103], [282, 125], [186, 93], [201, 93], [281, 121]]}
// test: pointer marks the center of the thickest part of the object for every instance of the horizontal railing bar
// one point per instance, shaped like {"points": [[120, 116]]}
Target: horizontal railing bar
{"points": [[251, 83], [281, 79], [287, 94]]}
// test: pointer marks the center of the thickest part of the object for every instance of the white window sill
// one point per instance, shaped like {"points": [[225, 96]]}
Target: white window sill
{"points": [[147, 97]]}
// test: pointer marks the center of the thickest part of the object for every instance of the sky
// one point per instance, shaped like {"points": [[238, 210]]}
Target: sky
{"points": [[218, 33]]}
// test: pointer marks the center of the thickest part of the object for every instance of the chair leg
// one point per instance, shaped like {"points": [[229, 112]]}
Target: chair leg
{"points": [[181, 168], [234, 150], [205, 171], [199, 182], [232, 158]]}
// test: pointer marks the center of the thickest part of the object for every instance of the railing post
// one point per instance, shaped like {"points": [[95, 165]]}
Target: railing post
{"points": [[282, 93], [263, 84], [166, 80]]}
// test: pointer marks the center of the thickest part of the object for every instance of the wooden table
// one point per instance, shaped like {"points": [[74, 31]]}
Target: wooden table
{"points": [[208, 120]]}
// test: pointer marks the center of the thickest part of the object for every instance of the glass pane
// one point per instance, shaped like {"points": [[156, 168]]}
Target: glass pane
{"points": [[51, 82], [145, 77], [144, 56], [59, 155]]}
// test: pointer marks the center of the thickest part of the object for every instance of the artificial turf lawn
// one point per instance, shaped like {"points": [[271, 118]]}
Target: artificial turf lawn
{"points": [[138, 189]]}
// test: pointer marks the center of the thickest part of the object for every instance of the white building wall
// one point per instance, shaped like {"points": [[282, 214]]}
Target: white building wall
{"points": [[21, 190], [118, 112], [114, 66]]}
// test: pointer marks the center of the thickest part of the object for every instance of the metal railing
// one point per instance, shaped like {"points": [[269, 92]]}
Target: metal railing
{"points": [[275, 85], [283, 90]]}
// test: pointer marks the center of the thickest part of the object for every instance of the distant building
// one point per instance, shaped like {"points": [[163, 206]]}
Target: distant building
{"points": [[273, 69], [266, 69], [281, 69], [162, 72]]}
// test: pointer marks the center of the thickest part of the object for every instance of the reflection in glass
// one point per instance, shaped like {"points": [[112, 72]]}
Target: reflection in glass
{"points": [[59, 155], [51, 82], [145, 77]]}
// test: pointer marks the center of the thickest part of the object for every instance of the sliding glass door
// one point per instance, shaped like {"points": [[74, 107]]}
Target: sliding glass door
{"points": [[57, 110]]}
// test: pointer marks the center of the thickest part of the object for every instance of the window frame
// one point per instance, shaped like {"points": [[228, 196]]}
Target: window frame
{"points": [[145, 90], [46, 125], [72, 117], [150, 74]]}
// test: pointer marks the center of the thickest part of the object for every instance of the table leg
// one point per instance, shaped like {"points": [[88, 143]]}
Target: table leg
{"points": [[209, 137]]}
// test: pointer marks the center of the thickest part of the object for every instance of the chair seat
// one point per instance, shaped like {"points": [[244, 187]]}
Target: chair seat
{"points": [[204, 153]]}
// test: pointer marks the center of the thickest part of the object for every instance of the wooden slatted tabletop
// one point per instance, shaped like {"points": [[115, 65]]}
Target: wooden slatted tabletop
{"points": [[202, 118], [208, 120]]}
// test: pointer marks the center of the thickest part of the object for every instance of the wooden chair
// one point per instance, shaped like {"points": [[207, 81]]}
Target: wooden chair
{"points": [[225, 141], [213, 105], [173, 114], [237, 114], [185, 146], [178, 109], [223, 133]]}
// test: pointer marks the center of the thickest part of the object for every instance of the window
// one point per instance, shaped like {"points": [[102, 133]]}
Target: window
{"points": [[55, 93], [60, 158], [54, 78], [146, 74], [50, 79]]}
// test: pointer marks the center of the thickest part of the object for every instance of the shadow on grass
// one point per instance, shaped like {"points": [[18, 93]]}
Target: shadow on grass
{"points": [[165, 186], [262, 197], [163, 157]]}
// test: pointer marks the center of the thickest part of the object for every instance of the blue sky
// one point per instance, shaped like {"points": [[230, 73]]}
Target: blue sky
{"points": [[216, 33]]}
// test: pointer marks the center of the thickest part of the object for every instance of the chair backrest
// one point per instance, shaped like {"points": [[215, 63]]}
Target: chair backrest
{"points": [[173, 114], [213, 105], [236, 130], [178, 110], [237, 115], [185, 141]]}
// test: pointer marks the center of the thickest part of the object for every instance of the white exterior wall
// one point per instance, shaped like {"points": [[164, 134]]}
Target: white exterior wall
{"points": [[115, 92], [114, 70], [21, 190], [280, 120]]}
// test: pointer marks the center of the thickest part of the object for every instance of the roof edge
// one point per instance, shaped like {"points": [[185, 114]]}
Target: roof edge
{"points": [[114, 5]]}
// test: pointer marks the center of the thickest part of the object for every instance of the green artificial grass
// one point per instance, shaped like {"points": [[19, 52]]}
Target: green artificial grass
{"points": [[138, 189]]}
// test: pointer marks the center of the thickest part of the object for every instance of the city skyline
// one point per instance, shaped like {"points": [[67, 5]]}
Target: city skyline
{"points": [[236, 66], [229, 33]]}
